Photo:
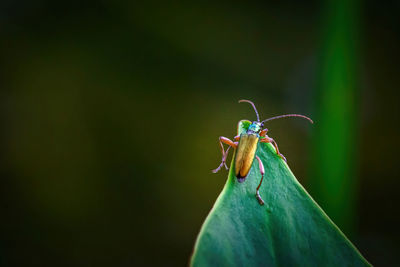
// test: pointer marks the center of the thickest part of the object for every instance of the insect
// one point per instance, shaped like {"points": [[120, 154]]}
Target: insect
{"points": [[246, 146]]}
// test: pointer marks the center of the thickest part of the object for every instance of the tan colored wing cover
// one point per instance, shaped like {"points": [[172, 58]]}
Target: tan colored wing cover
{"points": [[245, 153]]}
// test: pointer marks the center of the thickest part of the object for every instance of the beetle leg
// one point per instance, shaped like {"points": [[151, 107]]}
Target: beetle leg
{"points": [[270, 140], [264, 132], [262, 171], [236, 138], [224, 140], [224, 157]]}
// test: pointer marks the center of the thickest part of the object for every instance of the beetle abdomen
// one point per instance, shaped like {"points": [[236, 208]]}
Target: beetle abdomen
{"points": [[245, 153]]}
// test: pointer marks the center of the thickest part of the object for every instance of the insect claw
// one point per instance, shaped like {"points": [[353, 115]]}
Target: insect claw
{"points": [[259, 198], [215, 170], [226, 167]]}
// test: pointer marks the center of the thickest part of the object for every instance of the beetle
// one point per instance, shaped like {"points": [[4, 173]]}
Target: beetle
{"points": [[246, 146]]}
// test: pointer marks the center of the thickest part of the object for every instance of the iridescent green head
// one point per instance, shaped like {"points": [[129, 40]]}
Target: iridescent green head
{"points": [[255, 127]]}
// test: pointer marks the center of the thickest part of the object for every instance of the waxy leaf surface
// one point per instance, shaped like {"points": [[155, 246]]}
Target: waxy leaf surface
{"points": [[289, 230]]}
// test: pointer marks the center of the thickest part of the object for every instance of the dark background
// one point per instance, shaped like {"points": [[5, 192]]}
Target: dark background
{"points": [[110, 113]]}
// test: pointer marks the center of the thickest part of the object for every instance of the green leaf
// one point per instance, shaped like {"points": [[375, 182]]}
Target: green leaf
{"points": [[289, 230]]}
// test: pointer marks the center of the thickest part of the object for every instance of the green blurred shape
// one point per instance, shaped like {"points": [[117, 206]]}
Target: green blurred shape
{"points": [[334, 183], [289, 230]]}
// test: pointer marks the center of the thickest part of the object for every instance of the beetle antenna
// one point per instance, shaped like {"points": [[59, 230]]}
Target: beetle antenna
{"points": [[288, 115], [248, 101]]}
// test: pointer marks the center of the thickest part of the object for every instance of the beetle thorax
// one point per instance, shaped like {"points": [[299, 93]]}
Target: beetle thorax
{"points": [[255, 127]]}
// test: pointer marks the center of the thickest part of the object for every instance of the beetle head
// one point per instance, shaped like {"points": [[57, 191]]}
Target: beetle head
{"points": [[255, 127]]}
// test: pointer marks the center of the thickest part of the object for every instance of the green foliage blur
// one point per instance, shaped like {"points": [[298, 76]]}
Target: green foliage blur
{"points": [[111, 110]]}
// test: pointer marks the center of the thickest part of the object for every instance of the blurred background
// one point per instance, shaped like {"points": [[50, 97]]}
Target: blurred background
{"points": [[111, 111]]}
